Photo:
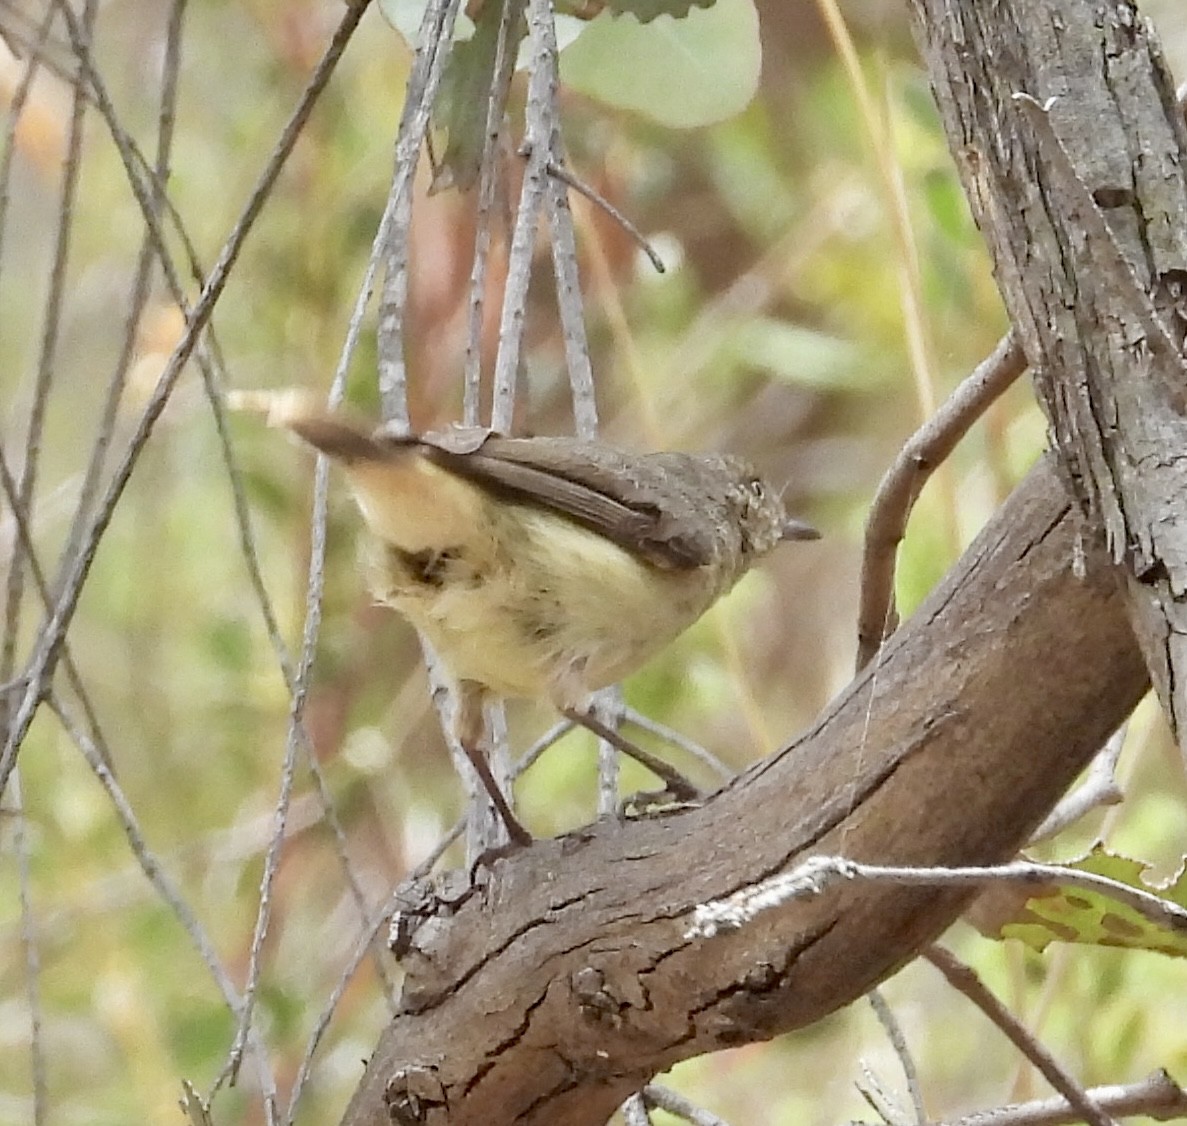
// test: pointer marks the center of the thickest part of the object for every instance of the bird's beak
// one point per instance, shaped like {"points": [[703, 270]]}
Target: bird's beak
{"points": [[798, 530]]}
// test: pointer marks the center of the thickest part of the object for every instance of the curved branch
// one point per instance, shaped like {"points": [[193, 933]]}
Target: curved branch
{"points": [[902, 483], [567, 982]]}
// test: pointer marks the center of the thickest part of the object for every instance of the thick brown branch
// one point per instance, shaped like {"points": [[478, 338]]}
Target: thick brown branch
{"points": [[568, 982]]}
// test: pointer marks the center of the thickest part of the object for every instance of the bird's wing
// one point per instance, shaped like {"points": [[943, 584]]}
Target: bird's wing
{"points": [[617, 495], [629, 499]]}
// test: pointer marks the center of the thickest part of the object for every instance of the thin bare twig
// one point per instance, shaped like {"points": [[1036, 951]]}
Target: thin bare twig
{"points": [[966, 981], [898, 1041], [540, 120], [16, 108], [634, 1111], [900, 487], [546, 741], [31, 949], [543, 119], [608, 704], [168, 891], [142, 275], [664, 1098], [432, 51], [288, 772], [44, 379], [817, 873], [193, 1106], [500, 760], [678, 739], [568, 300], [28, 40], [560, 172], [488, 169], [1099, 788], [47, 650], [1157, 1096], [880, 1100]]}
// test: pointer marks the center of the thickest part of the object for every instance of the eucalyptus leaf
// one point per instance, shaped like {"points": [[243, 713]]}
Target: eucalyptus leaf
{"points": [[682, 73], [797, 354], [1072, 913], [405, 17], [643, 10], [461, 109]]}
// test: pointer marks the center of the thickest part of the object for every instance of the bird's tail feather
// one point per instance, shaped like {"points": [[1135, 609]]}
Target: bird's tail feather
{"points": [[336, 435]]}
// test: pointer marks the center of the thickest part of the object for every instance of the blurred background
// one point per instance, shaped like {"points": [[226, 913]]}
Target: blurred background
{"points": [[825, 288]]}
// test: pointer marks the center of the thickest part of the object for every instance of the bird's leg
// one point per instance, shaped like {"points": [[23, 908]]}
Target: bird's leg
{"points": [[468, 726], [680, 788]]}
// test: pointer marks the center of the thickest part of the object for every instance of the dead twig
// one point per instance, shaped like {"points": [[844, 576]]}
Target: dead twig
{"points": [[818, 873], [964, 979], [886, 524], [898, 1041], [1099, 788], [1157, 1096], [560, 172]]}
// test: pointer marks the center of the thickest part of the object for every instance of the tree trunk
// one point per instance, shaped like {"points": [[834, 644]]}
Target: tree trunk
{"points": [[1084, 209]]}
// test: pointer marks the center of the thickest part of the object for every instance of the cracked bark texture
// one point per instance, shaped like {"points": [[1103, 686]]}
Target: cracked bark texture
{"points": [[1094, 272], [565, 984]]}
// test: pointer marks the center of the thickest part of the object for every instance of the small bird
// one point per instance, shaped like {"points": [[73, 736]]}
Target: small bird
{"points": [[541, 567]]}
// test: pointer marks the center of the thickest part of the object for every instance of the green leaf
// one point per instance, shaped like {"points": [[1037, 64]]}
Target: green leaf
{"points": [[796, 354], [406, 15], [1067, 913], [465, 89], [681, 73], [643, 10]]}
